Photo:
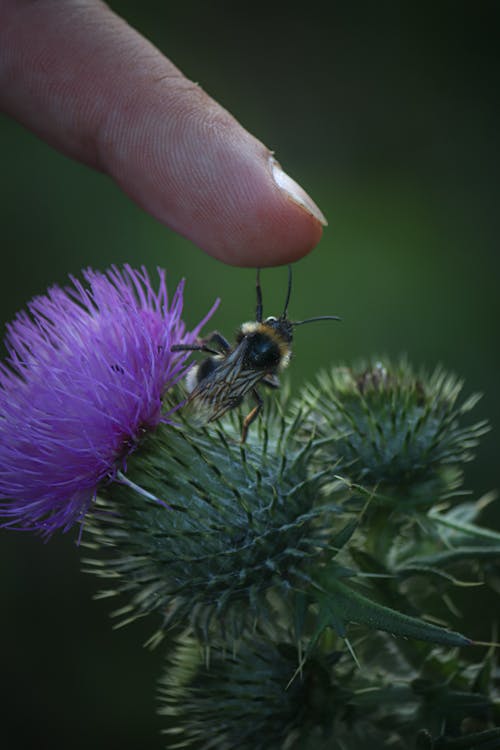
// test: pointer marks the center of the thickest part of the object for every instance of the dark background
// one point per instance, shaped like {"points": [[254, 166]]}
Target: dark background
{"points": [[387, 113]]}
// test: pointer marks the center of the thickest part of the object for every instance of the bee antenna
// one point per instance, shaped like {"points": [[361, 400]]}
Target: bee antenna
{"points": [[313, 320], [288, 292], [258, 309]]}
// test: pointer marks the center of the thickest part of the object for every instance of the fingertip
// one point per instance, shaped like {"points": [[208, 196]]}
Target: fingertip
{"points": [[234, 201], [289, 234], [276, 222]]}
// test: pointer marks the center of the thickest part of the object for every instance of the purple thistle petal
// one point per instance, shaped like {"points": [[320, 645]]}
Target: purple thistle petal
{"points": [[84, 379]]}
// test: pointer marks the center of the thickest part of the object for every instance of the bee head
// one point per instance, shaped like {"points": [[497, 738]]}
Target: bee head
{"points": [[282, 327]]}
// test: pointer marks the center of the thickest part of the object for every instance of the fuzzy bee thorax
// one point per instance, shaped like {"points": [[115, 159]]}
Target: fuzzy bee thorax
{"points": [[267, 343]]}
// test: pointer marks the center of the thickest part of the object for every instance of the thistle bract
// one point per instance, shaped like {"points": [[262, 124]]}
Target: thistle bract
{"points": [[208, 533], [243, 520], [84, 379], [258, 698], [396, 432], [241, 700]]}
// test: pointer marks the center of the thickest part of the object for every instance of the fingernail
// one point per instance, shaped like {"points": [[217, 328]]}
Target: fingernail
{"points": [[295, 192]]}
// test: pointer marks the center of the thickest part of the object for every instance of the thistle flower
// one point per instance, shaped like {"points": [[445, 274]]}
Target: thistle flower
{"points": [[86, 371]]}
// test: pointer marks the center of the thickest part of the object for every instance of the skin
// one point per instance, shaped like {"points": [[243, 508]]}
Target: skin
{"points": [[91, 86]]}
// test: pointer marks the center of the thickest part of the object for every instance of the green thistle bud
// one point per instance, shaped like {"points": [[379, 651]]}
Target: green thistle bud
{"points": [[257, 698], [240, 521], [395, 432], [248, 700]]}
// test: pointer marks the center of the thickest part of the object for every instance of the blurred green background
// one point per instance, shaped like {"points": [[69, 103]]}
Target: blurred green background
{"points": [[387, 113]]}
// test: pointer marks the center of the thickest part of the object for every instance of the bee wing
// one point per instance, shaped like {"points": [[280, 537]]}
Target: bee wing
{"points": [[225, 387]]}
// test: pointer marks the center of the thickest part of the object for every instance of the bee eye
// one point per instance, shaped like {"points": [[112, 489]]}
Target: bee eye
{"points": [[271, 319]]}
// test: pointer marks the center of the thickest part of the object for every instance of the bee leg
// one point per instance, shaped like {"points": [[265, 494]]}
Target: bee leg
{"points": [[193, 348], [252, 416], [202, 346], [271, 381], [218, 339]]}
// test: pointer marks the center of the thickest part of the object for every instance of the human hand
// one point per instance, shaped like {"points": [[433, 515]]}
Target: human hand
{"points": [[91, 86]]}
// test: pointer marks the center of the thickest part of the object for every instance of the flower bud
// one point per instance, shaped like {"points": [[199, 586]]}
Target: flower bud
{"points": [[397, 433], [227, 523]]}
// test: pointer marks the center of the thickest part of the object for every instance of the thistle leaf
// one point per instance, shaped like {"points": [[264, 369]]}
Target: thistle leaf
{"points": [[339, 604]]}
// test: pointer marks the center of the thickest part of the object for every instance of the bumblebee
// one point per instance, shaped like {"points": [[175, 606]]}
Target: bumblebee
{"points": [[262, 350]]}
